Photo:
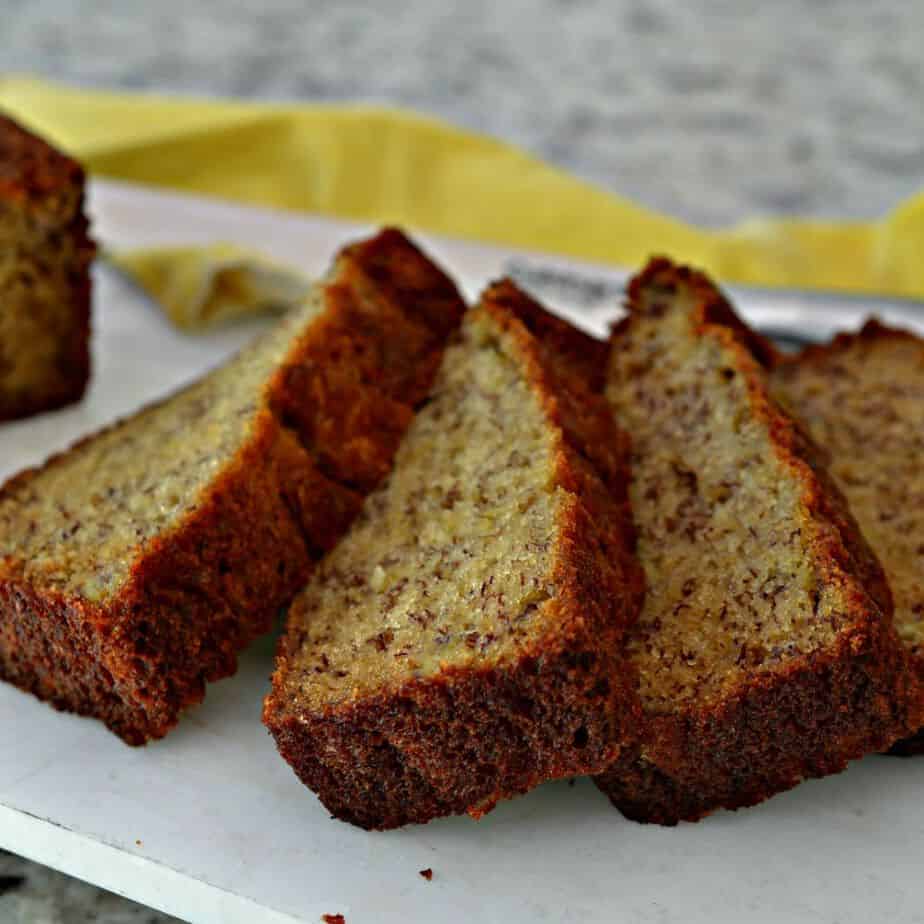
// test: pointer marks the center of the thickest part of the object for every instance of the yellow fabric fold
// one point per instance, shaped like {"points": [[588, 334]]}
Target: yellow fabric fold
{"points": [[203, 287], [383, 165]]}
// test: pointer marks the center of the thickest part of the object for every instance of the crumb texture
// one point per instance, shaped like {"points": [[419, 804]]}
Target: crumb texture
{"points": [[732, 589], [450, 561]]}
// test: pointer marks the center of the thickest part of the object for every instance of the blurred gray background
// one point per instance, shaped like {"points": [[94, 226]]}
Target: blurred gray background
{"points": [[713, 110], [710, 109]]}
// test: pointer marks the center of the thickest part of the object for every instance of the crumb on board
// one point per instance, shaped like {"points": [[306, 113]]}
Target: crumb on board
{"points": [[138, 843], [333, 919], [427, 873], [11, 883]]}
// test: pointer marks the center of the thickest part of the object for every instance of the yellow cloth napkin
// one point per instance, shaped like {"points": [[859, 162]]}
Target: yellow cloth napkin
{"points": [[202, 287], [384, 165]]}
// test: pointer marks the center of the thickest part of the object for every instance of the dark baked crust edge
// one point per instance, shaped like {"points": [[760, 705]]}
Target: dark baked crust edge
{"points": [[808, 721], [465, 739], [872, 330], [213, 583], [37, 178], [815, 713], [72, 376]]}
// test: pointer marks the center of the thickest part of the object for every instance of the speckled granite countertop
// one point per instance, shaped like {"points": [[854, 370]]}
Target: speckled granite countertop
{"points": [[713, 110]]}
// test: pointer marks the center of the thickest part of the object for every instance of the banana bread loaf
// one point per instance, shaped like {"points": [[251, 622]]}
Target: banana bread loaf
{"points": [[862, 399], [765, 650], [464, 641], [45, 256], [135, 566]]}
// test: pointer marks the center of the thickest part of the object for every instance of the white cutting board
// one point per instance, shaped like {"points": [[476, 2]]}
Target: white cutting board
{"points": [[210, 825]]}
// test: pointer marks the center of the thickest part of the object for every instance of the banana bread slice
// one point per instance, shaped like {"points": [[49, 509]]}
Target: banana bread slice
{"points": [[45, 256], [862, 399], [765, 650], [135, 566], [464, 642]]}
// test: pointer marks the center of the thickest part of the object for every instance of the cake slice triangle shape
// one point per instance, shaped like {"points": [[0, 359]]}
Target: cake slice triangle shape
{"points": [[464, 642], [766, 651]]}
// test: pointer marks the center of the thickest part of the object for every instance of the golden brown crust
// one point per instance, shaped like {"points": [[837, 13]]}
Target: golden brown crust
{"points": [[209, 586], [464, 739], [806, 721], [45, 189], [579, 356], [814, 712]]}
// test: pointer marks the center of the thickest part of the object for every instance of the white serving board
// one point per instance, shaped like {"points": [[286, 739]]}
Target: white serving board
{"points": [[211, 826]]}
